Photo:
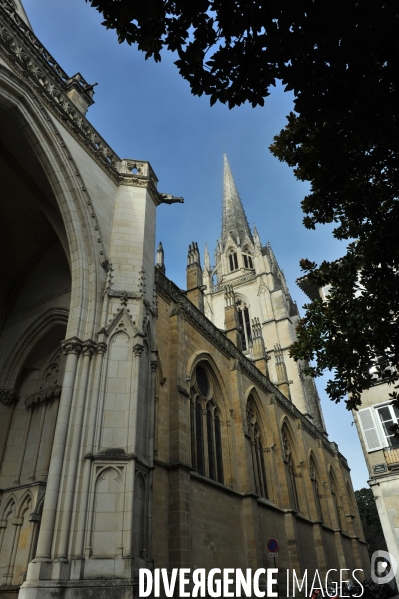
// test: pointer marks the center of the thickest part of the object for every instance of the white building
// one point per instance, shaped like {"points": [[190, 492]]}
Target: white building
{"points": [[381, 452], [380, 447]]}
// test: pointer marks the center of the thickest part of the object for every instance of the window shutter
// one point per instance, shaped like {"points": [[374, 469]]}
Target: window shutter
{"points": [[369, 426]]}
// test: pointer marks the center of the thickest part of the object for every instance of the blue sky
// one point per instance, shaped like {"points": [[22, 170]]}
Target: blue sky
{"points": [[146, 111]]}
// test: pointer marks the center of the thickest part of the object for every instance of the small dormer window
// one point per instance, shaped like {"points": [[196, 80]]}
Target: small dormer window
{"points": [[233, 261]]}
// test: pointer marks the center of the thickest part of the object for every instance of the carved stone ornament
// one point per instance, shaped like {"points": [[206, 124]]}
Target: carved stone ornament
{"points": [[250, 415], [238, 281], [101, 348], [138, 350], [8, 397], [88, 348], [72, 346], [44, 395]]}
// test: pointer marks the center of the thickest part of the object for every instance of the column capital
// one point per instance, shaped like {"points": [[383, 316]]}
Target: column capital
{"points": [[88, 348], [72, 346], [101, 348]]}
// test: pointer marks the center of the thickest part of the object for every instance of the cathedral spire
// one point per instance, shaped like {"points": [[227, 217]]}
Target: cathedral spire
{"points": [[234, 221]]}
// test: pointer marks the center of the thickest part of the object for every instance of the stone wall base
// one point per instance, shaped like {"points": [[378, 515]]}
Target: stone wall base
{"points": [[84, 589]]}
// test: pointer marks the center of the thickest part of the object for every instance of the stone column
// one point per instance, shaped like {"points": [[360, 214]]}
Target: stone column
{"points": [[50, 438], [43, 408], [179, 451], [87, 352], [151, 419], [138, 349], [151, 444], [76, 572], [71, 347], [23, 449]]}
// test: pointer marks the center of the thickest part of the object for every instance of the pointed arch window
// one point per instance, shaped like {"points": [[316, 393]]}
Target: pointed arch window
{"points": [[246, 255], [233, 260], [258, 461], [316, 489], [206, 435], [335, 501], [245, 324], [292, 476]]}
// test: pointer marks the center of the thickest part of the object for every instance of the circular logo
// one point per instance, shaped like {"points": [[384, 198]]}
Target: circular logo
{"points": [[383, 567], [273, 545]]}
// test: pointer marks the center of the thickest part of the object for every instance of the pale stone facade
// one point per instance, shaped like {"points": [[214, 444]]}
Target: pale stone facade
{"points": [[133, 432], [381, 451], [380, 448]]}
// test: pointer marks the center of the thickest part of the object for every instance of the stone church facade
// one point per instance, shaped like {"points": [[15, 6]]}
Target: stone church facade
{"points": [[140, 425]]}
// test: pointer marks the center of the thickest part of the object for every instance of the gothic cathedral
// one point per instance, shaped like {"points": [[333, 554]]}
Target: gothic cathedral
{"points": [[141, 425]]}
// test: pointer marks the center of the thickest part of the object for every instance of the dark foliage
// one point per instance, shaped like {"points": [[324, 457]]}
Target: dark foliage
{"points": [[370, 521], [341, 59]]}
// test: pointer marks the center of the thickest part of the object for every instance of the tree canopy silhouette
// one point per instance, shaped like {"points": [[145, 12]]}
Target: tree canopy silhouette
{"points": [[341, 60]]}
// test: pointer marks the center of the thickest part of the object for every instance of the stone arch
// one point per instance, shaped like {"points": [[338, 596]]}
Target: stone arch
{"points": [[23, 539], [241, 296], [7, 538], [115, 393], [244, 319], [336, 498], [232, 258], [119, 335], [258, 435], [247, 256], [29, 425], [105, 537], [12, 500], [261, 414], [291, 460], [318, 495], [30, 337], [38, 133], [206, 357], [25, 499], [209, 420]]}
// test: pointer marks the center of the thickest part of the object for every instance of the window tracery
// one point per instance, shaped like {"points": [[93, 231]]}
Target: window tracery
{"points": [[258, 463], [245, 324], [335, 501], [316, 489], [292, 477], [206, 434], [246, 254], [233, 260]]}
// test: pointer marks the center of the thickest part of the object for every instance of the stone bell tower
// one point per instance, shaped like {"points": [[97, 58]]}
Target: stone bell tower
{"points": [[267, 315]]}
